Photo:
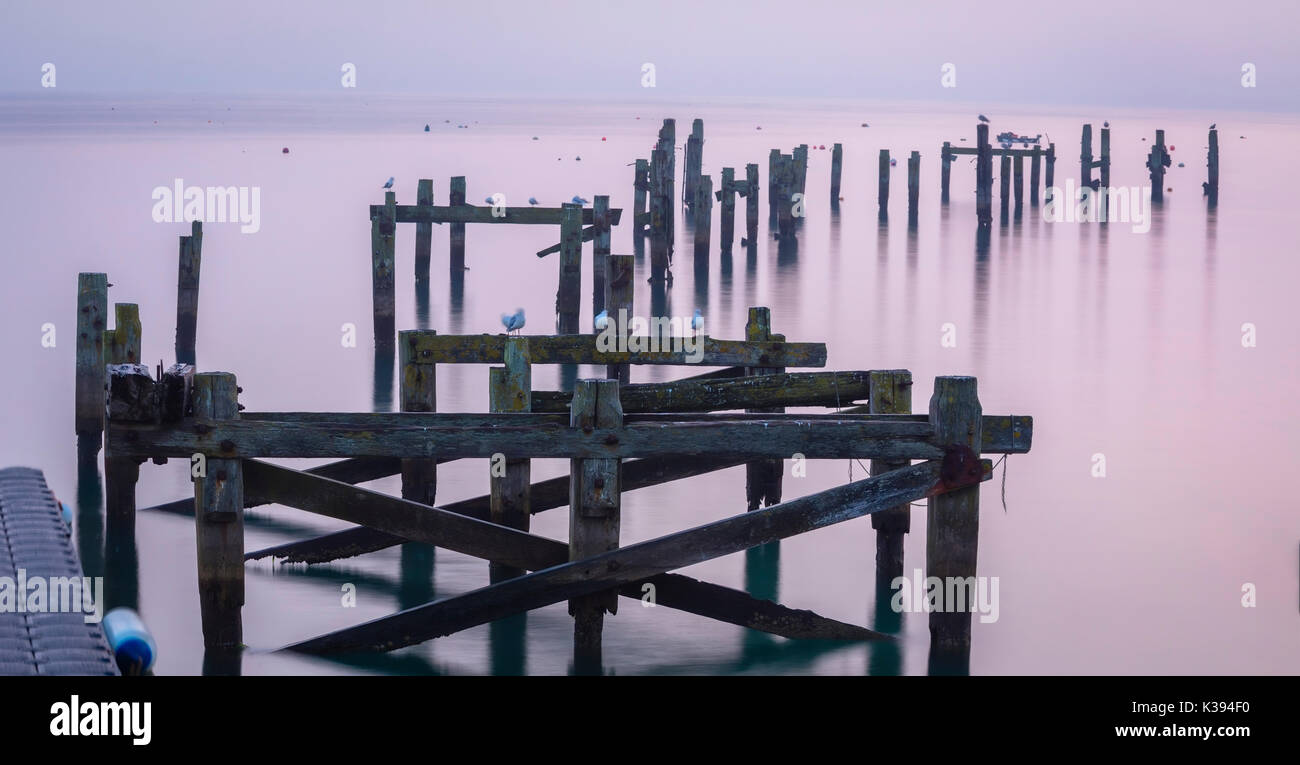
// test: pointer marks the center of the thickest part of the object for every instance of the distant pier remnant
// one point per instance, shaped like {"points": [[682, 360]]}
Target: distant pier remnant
{"points": [[703, 211], [457, 233], [640, 188], [1018, 178], [751, 200], [913, 186], [1085, 158], [92, 324], [1004, 184], [837, 164], [1211, 185], [726, 195], [694, 163], [946, 158], [983, 176], [1157, 160], [882, 190], [187, 293], [1035, 175], [1049, 173]]}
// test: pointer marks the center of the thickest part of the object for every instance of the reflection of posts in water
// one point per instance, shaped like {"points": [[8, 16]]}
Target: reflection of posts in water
{"points": [[382, 394], [890, 392], [422, 303], [417, 563], [219, 521], [508, 645], [222, 662], [456, 303], [90, 497], [763, 581], [122, 572]]}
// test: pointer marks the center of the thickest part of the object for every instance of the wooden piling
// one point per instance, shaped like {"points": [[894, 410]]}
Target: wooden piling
{"points": [[952, 525], [882, 190], [1049, 177], [1104, 161], [187, 293], [786, 179], [599, 251], [423, 231], [1019, 187], [694, 163], [837, 164], [124, 342], [800, 157], [773, 159], [659, 236], [383, 227], [418, 392], [983, 176], [1035, 175], [619, 286], [703, 216], [1211, 185], [763, 478], [132, 397], [594, 515], [668, 142], [913, 186], [457, 232], [1157, 161], [92, 321], [510, 390], [890, 393], [751, 200], [727, 196], [640, 187], [1085, 157], [1004, 183], [568, 296], [945, 173], [219, 521]]}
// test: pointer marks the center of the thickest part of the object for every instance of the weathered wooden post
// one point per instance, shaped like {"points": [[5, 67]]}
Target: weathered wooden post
{"points": [[1104, 162], [457, 232], [568, 296], [619, 286], [511, 389], [219, 521], [418, 392], [727, 196], [1157, 161], [92, 318], [763, 478], [1004, 182], [785, 170], [1211, 185], [640, 186], [913, 186], [1049, 177], [1085, 157], [659, 236], [599, 250], [751, 200], [383, 228], [952, 526], [124, 341], [800, 157], [890, 392], [668, 142], [1019, 190], [882, 190], [187, 293], [983, 176], [945, 173], [837, 165], [423, 231], [1035, 175], [773, 160], [703, 216], [594, 510], [132, 398], [694, 162]]}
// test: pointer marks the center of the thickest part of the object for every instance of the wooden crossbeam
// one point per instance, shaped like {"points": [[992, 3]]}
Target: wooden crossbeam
{"points": [[543, 495], [642, 562], [790, 389], [583, 349], [997, 152], [483, 214], [589, 233], [501, 544]]}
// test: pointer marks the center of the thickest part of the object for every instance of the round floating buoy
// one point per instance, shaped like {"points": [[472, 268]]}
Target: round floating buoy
{"points": [[577, 159], [132, 644], [534, 138], [1171, 147], [758, 127], [285, 150], [1171, 188], [1180, 164]]}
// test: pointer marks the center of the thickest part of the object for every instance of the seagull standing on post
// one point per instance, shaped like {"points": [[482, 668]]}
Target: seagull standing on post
{"points": [[983, 118], [513, 322], [389, 183], [601, 321], [697, 322]]}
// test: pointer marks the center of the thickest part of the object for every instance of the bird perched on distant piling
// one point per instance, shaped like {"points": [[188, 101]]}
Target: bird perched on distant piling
{"points": [[601, 321], [1214, 126], [983, 118], [1106, 124], [697, 322], [577, 200], [388, 184], [532, 200], [513, 322]]}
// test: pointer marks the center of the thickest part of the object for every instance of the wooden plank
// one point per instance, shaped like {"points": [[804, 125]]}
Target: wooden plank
{"points": [[92, 324], [640, 562], [219, 522], [468, 213], [786, 389], [187, 293], [588, 234], [994, 151], [583, 349]]}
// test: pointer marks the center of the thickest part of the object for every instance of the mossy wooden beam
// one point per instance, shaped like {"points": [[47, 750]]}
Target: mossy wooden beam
{"points": [[583, 349]]}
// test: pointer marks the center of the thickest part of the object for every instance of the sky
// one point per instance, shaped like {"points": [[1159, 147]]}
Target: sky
{"points": [[1155, 54]]}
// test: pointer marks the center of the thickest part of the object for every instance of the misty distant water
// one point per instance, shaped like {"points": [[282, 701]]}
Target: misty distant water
{"points": [[1119, 343]]}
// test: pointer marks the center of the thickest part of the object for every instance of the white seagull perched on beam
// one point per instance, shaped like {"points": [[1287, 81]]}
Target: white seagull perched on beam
{"points": [[513, 322], [983, 118], [389, 183], [577, 200], [601, 321]]}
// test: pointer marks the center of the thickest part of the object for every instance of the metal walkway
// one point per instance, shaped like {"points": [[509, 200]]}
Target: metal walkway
{"points": [[35, 540]]}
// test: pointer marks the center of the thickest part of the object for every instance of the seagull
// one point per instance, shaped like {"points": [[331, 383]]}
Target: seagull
{"points": [[488, 200], [983, 118], [513, 322], [1214, 126], [1106, 124], [389, 183], [602, 321], [697, 322], [532, 200], [577, 200]]}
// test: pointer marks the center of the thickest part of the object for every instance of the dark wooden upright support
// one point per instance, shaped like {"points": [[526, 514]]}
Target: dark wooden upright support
{"points": [[882, 190], [703, 208], [594, 510], [219, 521], [619, 284], [569, 294], [837, 166], [457, 233], [187, 293], [423, 231], [1018, 188], [1035, 175], [1049, 177], [727, 196], [1085, 157], [418, 391], [125, 339], [694, 163], [751, 200], [132, 398], [1104, 162], [668, 142], [785, 182], [763, 478], [952, 525], [773, 159], [1211, 185], [92, 323], [383, 282], [599, 251], [983, 176], [1004, 183], [1157, 160], [945, 172], [640, 187], [511, 391], [913, 186], [800, 159], [660, 239], [890, 393]]}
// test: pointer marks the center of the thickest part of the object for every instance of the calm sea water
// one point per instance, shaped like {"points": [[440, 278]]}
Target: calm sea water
{"points": [[1119, 343]]}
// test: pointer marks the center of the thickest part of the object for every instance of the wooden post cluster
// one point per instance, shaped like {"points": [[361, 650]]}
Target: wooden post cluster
{"points": [[418, 392], [882, 190], [890, 393], [1157, 160], [568, 295], [946, 158], [510, 390], [424, 231], [913, 186], [594, 515], [187, 293], [703, 209], [599, 250], [837, 165], [619, 286], [92, 324], [763, 478], [694, 163], [983, 176], [383, 229], [1211, 185], [219, 521], [456, 196]]}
